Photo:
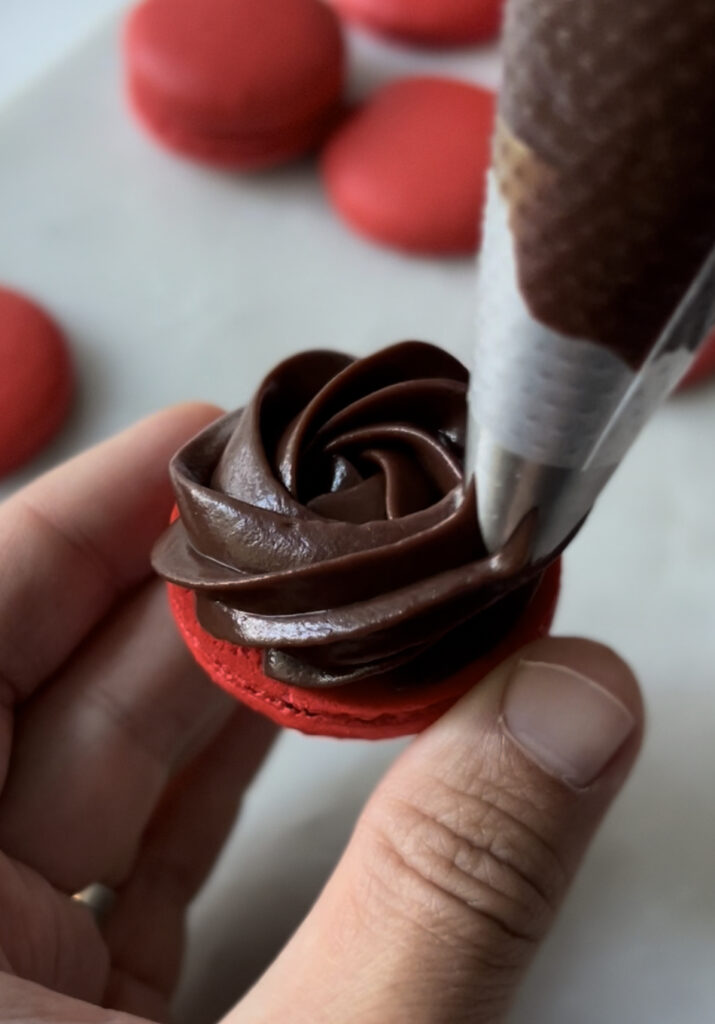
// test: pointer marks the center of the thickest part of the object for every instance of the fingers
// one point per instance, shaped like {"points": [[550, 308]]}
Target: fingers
{"points": [[128, 769], [47, 937], [145, 930], [466, 850], [24, 1002], [78, 538], [94, 749]]}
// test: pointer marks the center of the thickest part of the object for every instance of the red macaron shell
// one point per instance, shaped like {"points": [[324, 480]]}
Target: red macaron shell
{"points": [[427, 22], [702, 367], [409, 168], [366, 710], [242, 83], [36, 379]]}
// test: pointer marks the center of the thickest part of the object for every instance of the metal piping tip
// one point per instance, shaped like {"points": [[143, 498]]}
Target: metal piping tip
{"points": [[510, 488]]}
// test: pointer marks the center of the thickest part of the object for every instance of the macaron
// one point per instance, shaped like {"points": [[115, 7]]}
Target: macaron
{"points": [[702, 367], [408, 169], [235, 83], [427, 22], [367, 710], [35, 382]]}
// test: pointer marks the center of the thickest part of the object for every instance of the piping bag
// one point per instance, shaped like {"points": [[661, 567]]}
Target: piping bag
{"points": [[597, 275]]}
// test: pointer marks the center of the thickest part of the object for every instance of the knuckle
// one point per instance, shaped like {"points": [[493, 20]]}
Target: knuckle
{"points": [[468, 868]]}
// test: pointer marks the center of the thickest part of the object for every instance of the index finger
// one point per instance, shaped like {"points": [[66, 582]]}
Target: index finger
{"points": [[78, 538]]}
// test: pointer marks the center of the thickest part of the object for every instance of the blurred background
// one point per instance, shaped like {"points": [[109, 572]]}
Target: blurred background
{"points": [[172, 281]]}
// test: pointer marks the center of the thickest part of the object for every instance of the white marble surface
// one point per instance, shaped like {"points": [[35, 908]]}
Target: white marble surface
{"points": [[173, 282]]}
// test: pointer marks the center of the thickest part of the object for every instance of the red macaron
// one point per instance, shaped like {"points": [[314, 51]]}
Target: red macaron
{"points": [[235, 83], [35, 382], [409, 168], [366, 710], [427, 22], [702, 367]]}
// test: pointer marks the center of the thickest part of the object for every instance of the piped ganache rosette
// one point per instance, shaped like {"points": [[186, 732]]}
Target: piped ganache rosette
{"points": [[326, 564]]}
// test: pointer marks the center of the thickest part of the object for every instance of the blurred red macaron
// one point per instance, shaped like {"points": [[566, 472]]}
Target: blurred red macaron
{"points": [[36, 380], [427, 22], [409, 168], [365, 710], [702, 367], [235, 83]]}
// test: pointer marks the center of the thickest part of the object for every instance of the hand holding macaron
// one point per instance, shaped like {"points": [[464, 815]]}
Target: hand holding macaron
{"points": [[114, 747]]}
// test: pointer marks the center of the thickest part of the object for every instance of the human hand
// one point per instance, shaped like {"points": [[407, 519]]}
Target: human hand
{"points": [[127, 768], [119, 762]]}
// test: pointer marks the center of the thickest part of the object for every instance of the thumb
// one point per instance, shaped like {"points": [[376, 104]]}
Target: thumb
{"points": [[465, 850]]}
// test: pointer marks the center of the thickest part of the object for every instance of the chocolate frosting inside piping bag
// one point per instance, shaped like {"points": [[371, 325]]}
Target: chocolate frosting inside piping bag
{"points": [[327, 523], [605, 154]]}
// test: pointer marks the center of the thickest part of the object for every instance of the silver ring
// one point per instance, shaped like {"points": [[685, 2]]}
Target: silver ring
{"points": [[98, 899]]}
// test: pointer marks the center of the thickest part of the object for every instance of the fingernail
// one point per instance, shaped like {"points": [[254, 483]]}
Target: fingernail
{"points": [[568, 724]]}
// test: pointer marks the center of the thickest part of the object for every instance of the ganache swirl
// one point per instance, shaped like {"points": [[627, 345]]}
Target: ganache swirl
{"points": [[327, 523]]}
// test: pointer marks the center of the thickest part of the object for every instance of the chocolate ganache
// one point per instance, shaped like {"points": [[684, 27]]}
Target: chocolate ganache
{"points": [[327, 523]]}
